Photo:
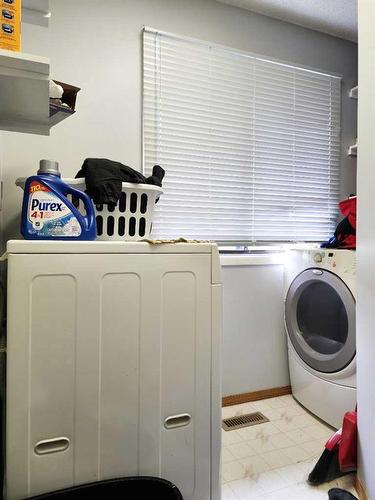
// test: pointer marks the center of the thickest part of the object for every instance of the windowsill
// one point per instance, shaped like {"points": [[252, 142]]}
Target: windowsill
{"points": [[274, 256], [269, 259]]}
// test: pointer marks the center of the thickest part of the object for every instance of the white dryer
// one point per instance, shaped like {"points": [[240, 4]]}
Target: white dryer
{"points": [[320, 325]]}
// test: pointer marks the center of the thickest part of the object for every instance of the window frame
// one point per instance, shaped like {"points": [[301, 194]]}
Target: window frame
{"points": [[246, 246]]}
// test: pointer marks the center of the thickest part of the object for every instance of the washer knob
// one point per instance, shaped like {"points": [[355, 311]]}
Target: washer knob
{"points": [[318, 257]]}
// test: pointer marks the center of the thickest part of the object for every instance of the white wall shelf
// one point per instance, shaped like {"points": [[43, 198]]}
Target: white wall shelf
{"points": [[352, 151], [353, 93], [24, 94]]}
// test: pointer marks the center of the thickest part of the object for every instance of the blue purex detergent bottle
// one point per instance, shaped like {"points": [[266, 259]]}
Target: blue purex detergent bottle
{"points": [[48, 214]]}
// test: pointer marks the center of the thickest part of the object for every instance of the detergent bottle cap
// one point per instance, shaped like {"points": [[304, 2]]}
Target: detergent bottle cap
{"points": [[49, 167]]}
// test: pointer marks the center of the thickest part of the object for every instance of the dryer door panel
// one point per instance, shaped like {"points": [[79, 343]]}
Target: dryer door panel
{"points": [[320, 320]]}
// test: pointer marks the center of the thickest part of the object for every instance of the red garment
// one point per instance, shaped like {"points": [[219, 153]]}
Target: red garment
{"points": [[348, 209], [346, 230], [348, 443]]}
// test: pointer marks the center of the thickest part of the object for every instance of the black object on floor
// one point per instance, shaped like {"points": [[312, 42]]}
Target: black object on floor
{"points": [[326, 469], [128, 488], [104, 177], [339, 494]]}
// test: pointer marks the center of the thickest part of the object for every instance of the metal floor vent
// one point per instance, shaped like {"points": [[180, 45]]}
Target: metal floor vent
{"points": [[232, 423]]}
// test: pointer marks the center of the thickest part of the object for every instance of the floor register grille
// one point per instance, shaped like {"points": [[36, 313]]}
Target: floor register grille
{"points": [[232, 423]]}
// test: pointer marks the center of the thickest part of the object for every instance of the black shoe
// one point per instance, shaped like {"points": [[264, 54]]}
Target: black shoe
{"points": [[339, 494]]}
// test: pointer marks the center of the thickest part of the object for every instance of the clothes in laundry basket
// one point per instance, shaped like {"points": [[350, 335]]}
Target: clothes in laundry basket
{"points": [[104, 178]]}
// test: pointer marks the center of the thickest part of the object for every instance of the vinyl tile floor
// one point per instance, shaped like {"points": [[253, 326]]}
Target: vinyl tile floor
{"points": [[271, 461]]}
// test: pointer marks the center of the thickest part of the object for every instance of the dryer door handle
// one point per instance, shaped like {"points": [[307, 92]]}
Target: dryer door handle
{"points": [[53, 445], [175, 421]]}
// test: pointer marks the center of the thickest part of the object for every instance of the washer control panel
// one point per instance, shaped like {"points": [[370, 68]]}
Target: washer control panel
{"points": [[332, 260], [324, 257]]}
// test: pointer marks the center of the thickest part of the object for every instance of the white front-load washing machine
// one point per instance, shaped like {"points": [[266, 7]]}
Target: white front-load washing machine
{"points": [[320, 326]]}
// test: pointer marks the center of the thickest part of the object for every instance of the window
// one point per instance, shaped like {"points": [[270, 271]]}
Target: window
{"points": [[251, 147]]}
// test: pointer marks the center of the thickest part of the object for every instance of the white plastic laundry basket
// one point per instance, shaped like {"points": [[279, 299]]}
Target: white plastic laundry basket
{"points": [[128, 220]]}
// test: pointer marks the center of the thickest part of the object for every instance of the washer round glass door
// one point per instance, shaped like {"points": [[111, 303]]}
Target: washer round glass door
{"points": [[320, 320]]}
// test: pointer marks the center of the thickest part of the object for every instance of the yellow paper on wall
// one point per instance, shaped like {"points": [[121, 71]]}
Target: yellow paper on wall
{"points": [[10, 28]]}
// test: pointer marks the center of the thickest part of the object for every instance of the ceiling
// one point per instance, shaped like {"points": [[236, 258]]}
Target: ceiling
{"points": [[335, 17]]}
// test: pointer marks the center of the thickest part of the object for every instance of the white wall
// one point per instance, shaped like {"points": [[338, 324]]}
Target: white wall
{"points": [[254, 344], [97, 46], [366, 246]]}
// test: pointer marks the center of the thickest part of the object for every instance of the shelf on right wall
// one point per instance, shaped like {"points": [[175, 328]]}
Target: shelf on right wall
{"points": [[353, 94]]}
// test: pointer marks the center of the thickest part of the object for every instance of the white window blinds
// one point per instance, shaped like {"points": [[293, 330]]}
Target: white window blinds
{"points": [[251, 147]]}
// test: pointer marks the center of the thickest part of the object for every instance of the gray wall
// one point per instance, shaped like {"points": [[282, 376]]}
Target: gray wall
{"points": [[254, 344], [97, 46], [102, 54]]}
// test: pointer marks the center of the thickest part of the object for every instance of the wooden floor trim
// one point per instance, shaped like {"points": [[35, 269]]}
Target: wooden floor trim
{"points": [[361, 490], [247, 397]]}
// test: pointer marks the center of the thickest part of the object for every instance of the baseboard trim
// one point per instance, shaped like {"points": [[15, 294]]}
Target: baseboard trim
{"points": [[247, 397], [361, 490]]}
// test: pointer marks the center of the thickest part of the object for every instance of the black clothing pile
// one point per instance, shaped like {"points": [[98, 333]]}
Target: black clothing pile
{"points": [[104, 178], [339, 494]]}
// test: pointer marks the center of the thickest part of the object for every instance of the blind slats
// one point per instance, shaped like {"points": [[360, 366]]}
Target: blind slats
{"points": [[251, 147]]}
